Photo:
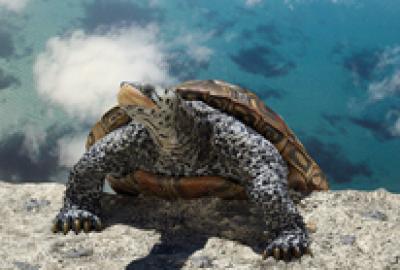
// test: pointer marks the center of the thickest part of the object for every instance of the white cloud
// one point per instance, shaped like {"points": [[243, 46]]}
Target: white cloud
{"points": [[389, 57], [292, 3], [393, 116], [13, 5], [384, 89], [153, 3], [396, 128], [193, 45], [389, 63], [71, 148], [251, 3], [82, 72], [340, 1], [387, 87]]}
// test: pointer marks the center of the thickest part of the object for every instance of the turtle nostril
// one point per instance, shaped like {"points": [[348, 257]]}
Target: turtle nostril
{"points": [[148, 89]]}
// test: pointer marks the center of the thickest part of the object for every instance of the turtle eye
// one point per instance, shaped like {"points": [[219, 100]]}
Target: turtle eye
{"points": [[163, 135], [147, 93]]}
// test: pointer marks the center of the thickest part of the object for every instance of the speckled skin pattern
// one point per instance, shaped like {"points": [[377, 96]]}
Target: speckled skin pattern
{"points": [[211, 143]]}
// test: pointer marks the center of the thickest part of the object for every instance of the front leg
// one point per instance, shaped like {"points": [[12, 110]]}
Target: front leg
{"points": [[257, 162], [118, 153]]}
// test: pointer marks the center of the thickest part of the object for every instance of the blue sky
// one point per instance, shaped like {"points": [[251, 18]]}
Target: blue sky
{"points": [[331, 68]]}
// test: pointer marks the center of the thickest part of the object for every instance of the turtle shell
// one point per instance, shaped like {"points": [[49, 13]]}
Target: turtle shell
{"points": [[304, 173]]}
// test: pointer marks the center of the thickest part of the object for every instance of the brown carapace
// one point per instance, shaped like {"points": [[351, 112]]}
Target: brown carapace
{"points": [[304, 173]]}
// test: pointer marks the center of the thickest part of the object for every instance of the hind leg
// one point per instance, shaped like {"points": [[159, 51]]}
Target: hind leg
{"points": [[117, 154], [264, 174]]}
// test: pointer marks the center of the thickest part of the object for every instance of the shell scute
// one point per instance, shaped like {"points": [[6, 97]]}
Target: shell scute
{"points": [[304, 173]]}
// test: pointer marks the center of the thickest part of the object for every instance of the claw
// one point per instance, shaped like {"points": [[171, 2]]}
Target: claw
{"points": [[98, 225], [308, 251], [277, 253], [311, 226], [65, 227], [86, 226], [265, 254], [285, 253], [77, 225], [54, 228], [296, 252]]}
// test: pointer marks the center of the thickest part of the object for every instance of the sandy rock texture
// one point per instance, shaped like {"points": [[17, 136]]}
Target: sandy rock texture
{"points": [[354, 230]]}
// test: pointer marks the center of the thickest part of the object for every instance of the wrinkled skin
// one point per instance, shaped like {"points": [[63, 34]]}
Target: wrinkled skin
{"points": [[195, 140]]}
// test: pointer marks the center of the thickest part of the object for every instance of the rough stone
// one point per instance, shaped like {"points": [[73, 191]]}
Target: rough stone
{"points": [[201, 262], [354, 230], [25, 266], [33, 204]]}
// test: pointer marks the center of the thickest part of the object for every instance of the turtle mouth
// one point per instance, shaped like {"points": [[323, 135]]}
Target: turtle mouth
{"points": [[130, 95]]}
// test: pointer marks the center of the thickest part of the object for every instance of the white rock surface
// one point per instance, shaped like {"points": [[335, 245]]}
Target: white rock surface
{"points": [[355, 230]]}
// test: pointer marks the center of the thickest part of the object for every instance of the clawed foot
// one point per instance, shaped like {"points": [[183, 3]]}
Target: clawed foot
{"points": [[286, 253], [288, 245], [76, 220]]}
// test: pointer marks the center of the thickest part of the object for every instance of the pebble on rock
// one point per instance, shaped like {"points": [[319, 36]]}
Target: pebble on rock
{"points": [[34, 205], [201, 262]]}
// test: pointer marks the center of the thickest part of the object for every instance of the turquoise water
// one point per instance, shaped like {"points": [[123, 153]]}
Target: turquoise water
{"points": [[330, 68]]}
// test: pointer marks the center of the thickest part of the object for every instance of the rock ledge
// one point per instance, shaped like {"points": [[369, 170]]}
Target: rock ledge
{"points": [[354, 230]]}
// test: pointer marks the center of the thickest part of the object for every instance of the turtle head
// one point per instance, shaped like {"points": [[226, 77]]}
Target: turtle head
{"points": [[153, 106]]}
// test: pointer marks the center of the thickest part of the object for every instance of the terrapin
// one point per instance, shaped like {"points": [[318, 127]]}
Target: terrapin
{"points": [[199, 138]]}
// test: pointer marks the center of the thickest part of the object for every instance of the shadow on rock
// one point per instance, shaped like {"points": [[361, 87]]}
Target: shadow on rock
{"points": [[185, 226]]}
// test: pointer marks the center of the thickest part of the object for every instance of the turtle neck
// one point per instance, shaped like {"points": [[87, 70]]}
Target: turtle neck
{"points": [[185, 146], [182, 140]]}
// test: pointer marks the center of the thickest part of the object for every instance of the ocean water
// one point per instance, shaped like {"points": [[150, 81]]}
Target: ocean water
{"points": [[330, 68]]}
